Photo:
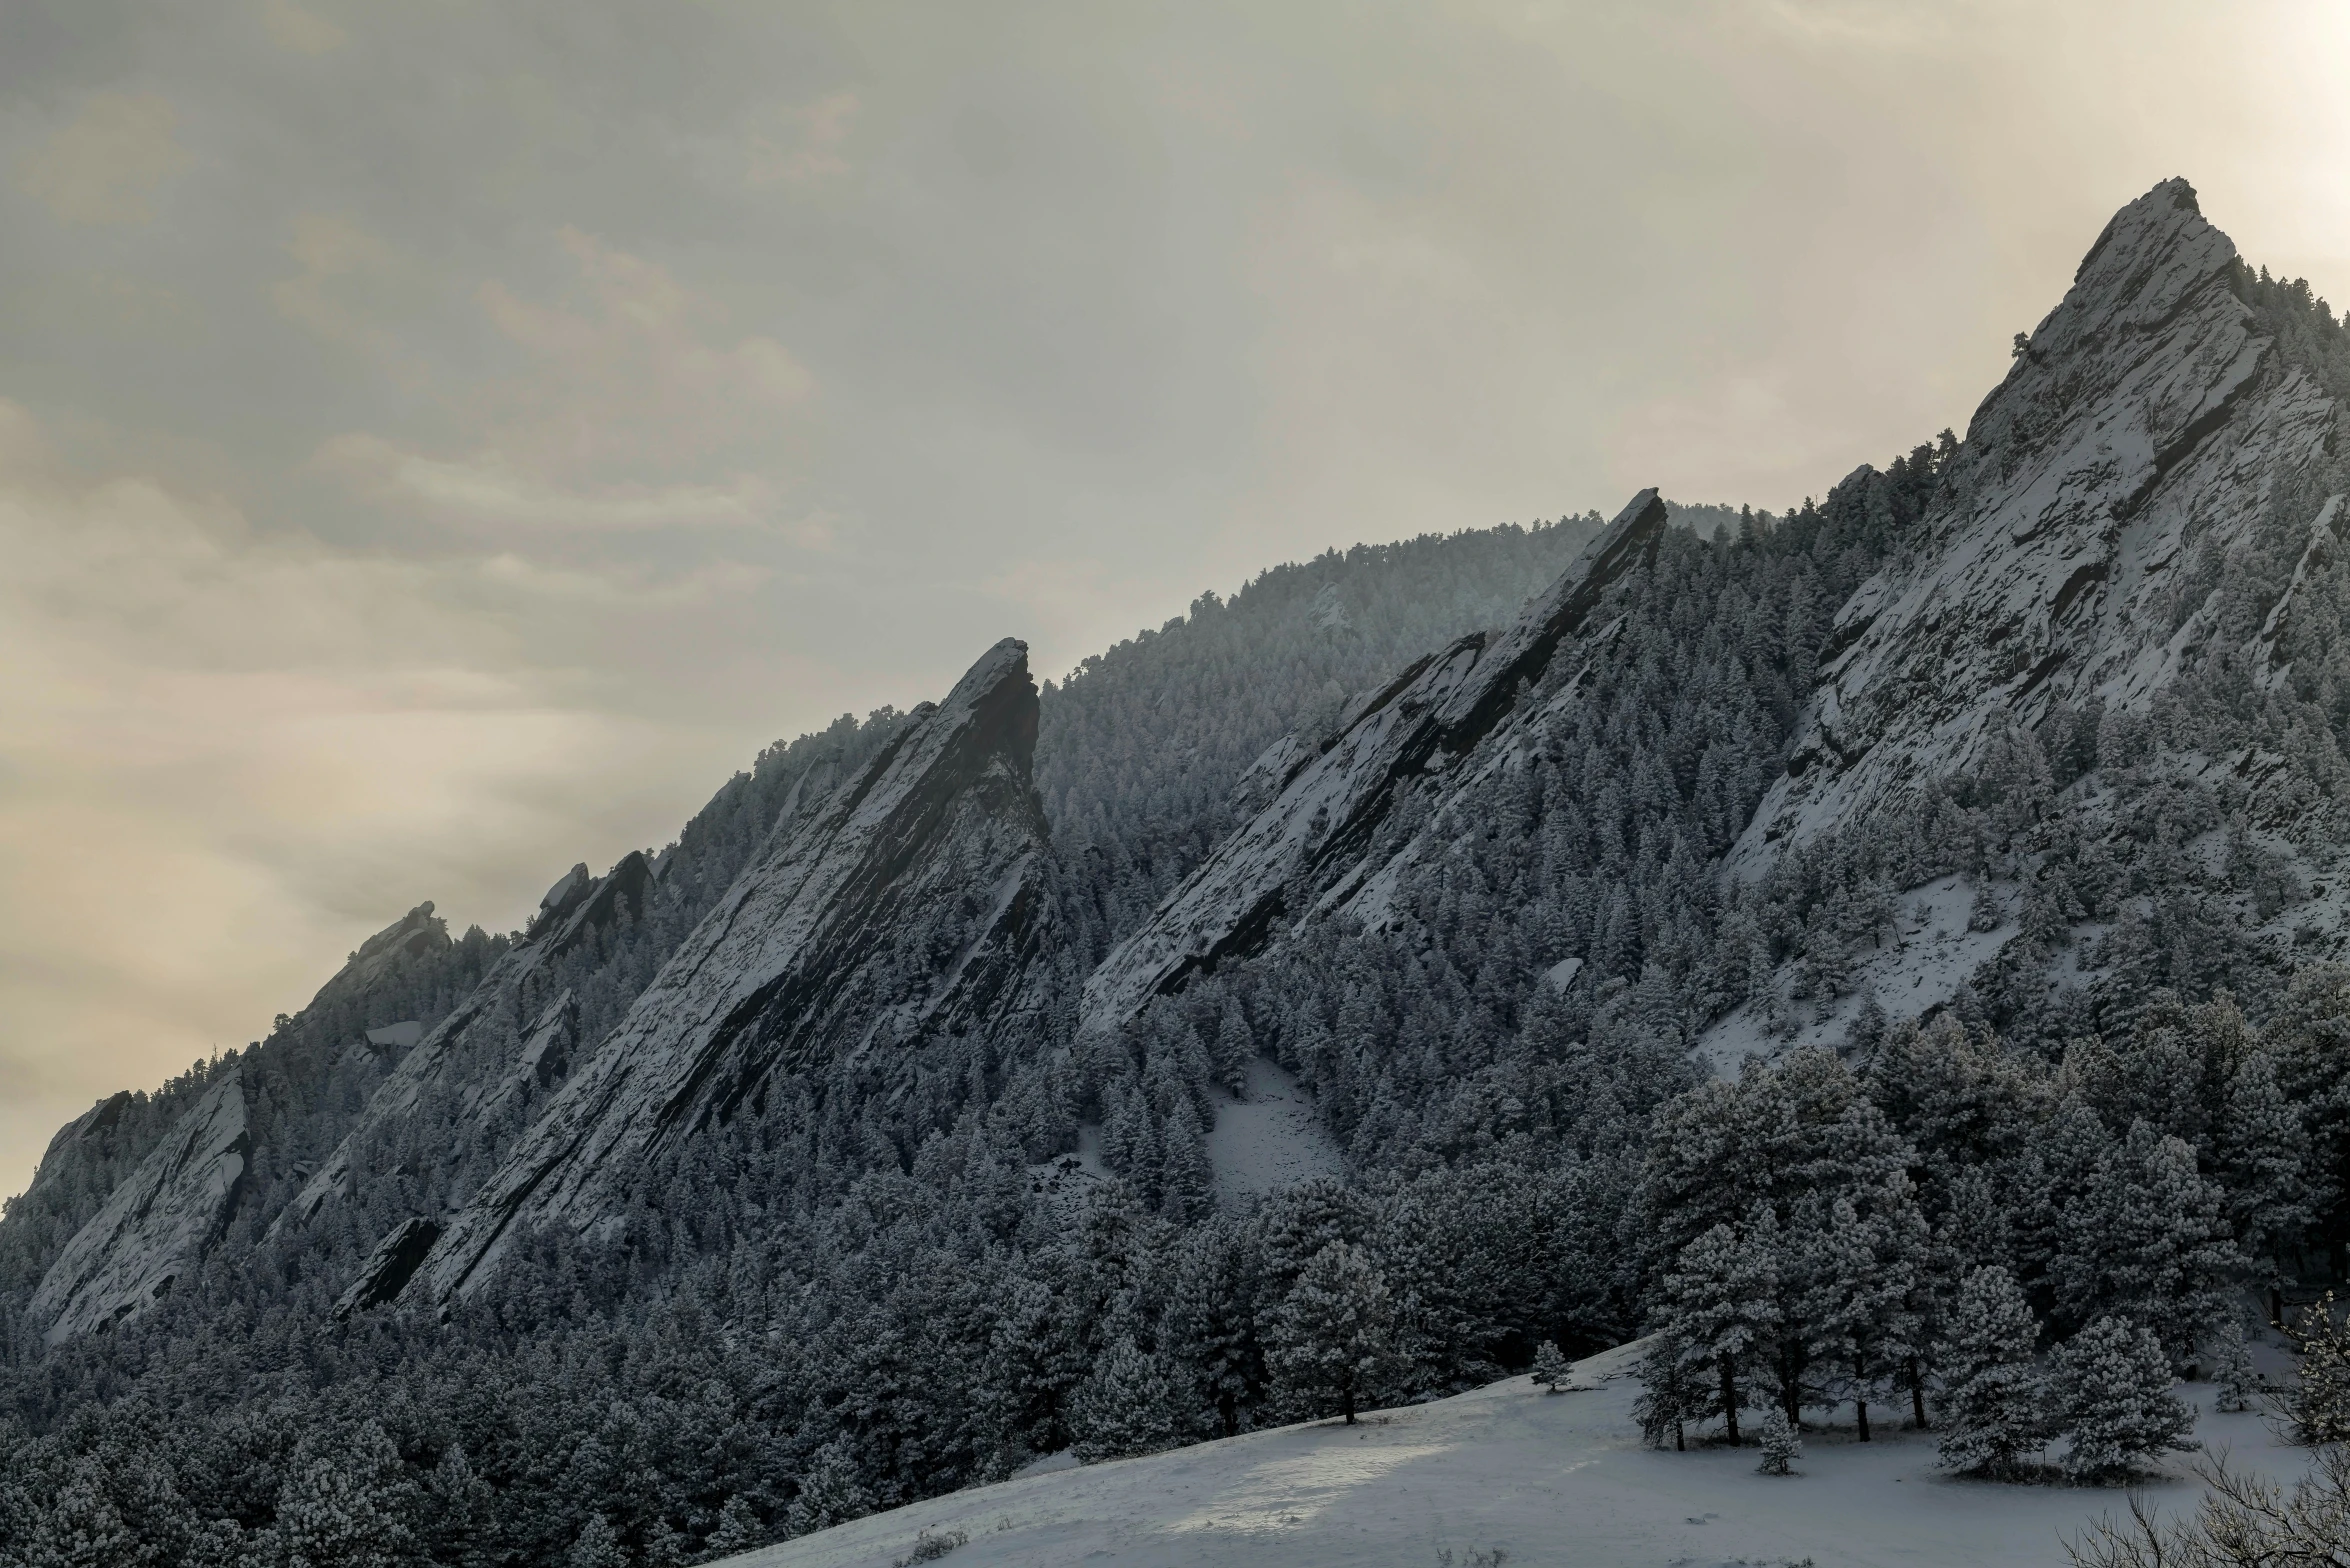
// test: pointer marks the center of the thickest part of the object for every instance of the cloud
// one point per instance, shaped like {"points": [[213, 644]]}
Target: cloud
{"points": [[490, 489], [106, 163], [226, 755], [347, 288], [635, 409], [799, 145], [298, 31]]}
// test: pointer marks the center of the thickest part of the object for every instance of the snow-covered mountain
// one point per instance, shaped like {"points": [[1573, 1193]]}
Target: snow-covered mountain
{"points": [[2151, 426], [985, 1081]]}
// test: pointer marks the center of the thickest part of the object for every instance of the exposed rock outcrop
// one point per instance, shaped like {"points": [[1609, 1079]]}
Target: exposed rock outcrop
{"points": [[476, 1049], [156, 1225], [912, 902], [390, 1266], [1312, 835], [2143, 429]]}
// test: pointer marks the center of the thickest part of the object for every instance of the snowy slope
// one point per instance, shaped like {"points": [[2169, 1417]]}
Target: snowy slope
{"points": [[1507, 1474]]}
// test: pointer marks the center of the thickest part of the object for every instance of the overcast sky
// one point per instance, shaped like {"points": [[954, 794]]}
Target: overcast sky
{"points": [[439, 442]]}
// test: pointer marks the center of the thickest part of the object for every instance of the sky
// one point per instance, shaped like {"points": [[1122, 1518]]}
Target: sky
{"points": [[441, 442]]}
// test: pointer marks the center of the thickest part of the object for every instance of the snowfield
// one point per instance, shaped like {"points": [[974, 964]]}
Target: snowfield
{"points": [[1509, 1474]]}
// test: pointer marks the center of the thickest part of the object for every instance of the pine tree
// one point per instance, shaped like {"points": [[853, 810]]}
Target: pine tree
{"points": [[1675, 1389], [1550, 1368], [1993, 1403], [1721, 1305], [739, 1529], [1333, 1339], [2231, 1367], [344, 1505], [830, 1493], [2320, 1397], [1781, 1445], [2110, 1396], [596, 1546], [1126, 1406], [1209, 1326]]}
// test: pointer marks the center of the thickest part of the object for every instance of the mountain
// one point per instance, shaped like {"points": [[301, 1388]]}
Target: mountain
{"points": [[908, 1121], [912, 903], [2152, 427], [1331, 798]]}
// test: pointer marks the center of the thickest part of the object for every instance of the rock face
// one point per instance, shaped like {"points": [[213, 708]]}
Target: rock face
{"points": [[913, 902], [476, 1044], [155, 1227], [393, 1263], [2139, 436], [1311, 837], [415, 932]]}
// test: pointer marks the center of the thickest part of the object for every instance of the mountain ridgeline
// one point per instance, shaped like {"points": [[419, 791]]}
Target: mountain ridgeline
{"points": [[1052, 1069]]}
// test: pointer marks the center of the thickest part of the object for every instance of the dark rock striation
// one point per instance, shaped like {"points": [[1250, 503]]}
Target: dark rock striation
{"points": [[1312, 835]]}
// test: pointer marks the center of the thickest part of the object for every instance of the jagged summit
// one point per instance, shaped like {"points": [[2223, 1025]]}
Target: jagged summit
{"points": [[2145, 428], [910, 903]]}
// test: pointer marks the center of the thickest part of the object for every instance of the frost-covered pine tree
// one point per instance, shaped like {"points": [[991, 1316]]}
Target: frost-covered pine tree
{"points": [[2110, 1397], [2320, 1398], [1550, 1367], [1209, 1326], [1675, 1389], [1126, 1405], [830, 1493], [1782, 1445], [1333, 1338], [2231, 1366], [344, 1506], [1721, 1305], [738, 1528], [596, 1546], [1993, 1403]]}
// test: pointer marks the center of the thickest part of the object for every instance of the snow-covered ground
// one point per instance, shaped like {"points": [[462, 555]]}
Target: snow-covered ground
{"points": [[1933, 952], [1510, 1474], [1271, 1140]]}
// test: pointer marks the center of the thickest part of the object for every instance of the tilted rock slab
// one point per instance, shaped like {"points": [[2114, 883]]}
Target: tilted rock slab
{"points": [[155, 1227], [914, 902], [2144, 426], [476, 1049], [1314, 832]]}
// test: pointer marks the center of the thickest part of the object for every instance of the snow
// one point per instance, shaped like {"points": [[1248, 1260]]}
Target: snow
{"points": [[1539, 1478], [1270, 1140], [1922, 968], [1562, 974], [397, 1037]]}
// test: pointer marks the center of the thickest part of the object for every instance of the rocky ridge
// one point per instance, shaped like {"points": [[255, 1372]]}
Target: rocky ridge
{"points": [[1308, 841], [2144, 429], [913, 900]]}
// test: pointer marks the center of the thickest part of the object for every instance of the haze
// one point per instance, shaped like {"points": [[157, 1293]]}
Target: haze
{"points": [[439, 443]]}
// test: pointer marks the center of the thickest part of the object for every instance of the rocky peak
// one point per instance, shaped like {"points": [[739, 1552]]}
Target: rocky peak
{"points": [[2143, 430], [912, 903]]}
